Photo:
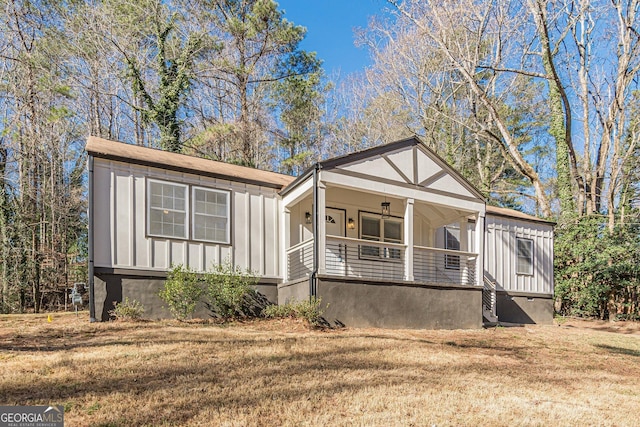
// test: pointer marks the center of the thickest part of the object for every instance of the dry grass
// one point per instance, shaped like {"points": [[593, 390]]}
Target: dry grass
{"points": [[279, 373]]}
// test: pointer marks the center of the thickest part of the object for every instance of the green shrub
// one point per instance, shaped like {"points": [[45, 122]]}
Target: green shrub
{"points": [[182, 291], [308, 310], [229, 290], [127, 310]]}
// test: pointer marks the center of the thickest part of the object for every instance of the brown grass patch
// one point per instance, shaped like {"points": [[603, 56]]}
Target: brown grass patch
{"points": [[279, 373]]}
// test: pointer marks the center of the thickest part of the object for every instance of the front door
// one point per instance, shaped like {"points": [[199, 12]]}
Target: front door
{"points": [[336, 249]]}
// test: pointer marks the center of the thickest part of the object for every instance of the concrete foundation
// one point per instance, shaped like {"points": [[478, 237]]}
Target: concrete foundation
{"points": [[112, 288], [524, 308], [399, 305], [297, 290]]}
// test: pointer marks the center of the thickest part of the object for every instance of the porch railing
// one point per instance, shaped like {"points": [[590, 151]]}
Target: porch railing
{"points": [[445, 266], [300, 260], [365, 259], [347, 257]]}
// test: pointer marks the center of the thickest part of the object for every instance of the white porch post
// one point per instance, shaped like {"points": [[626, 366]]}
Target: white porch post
{"points": [[322, 229], [479, 249], [285, 242], [464, 246], [408, 240]]}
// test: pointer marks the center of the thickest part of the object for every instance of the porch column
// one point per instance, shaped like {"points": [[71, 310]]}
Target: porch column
{"points": [[322, 228], [285, 243], [464, 246], [408, 240], [479, 249]]}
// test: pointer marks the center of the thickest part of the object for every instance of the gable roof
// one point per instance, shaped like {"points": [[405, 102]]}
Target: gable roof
{"points": [[427, 170], [128, 153]]}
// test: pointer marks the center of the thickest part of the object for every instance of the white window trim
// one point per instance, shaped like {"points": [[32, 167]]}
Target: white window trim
{"points": [[228, 214], [186, 209], [531, 257]]}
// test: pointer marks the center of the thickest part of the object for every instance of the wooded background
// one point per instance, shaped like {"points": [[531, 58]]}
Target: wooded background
{"points": [[535, 102]]}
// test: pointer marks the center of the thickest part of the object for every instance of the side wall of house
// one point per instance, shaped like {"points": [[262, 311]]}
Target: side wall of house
{"points": [[121, 240], [128, 262], [521, 298]]}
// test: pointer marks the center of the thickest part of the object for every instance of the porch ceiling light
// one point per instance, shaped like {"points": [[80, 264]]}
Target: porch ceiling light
{"points": [[386, 209], [351, 225], [307, 217]]}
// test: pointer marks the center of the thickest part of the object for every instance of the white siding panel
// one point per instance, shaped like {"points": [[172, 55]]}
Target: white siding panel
{"points": [[196, 257], [179, 253], [404, 161], [256, 262], [211, 256], [123, 219], [378, 167], [271, 236], [426, 167], [501, 255], [142, 253], [102, 230], [241, 229], [450, 185], [160, 253]]}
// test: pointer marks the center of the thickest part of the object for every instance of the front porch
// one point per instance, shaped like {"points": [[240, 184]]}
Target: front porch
{"points": [[392, 230]]}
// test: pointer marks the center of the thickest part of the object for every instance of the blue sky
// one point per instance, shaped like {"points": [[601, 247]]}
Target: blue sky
{"points": [[330, 25]]}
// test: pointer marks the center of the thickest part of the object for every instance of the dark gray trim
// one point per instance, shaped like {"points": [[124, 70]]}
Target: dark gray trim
{"points": [[433, 178], [410, 186], [524, 294], [383, 282], [186, 170], [397, 169], [370, 152], [344, 225], [414, 152], [301, 178], [158, 274]]}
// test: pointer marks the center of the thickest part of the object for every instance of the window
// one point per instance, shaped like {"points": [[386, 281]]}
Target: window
{"points": [[452, 242], [170, 213], [210, 215], [524, 248], [167, 209], [378, 229]]}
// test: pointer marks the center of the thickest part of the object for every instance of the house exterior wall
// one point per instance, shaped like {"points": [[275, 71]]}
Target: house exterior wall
{"points": [[121, 240], [501, 257], [358, 303]]}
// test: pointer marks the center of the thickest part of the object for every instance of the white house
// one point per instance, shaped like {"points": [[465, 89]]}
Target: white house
{"points": [[391, 236]]}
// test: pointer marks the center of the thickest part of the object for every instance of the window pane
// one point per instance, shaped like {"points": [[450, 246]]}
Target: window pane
{"points": [[370, 227], [210, 220], [167, 209], [524, 263], [452, 238], [392, 231]]}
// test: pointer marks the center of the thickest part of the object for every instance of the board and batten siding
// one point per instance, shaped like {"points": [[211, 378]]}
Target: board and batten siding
{"points": [[501, 255], [120, 223]]}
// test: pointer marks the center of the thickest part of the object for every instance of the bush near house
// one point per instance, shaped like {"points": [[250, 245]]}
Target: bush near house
{"points": [[309, 310], [127, 310], [227, 290], [182, 291]]}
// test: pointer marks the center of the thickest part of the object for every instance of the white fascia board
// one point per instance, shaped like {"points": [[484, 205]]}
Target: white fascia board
{"points": [[423, 195], [301, 191]]}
